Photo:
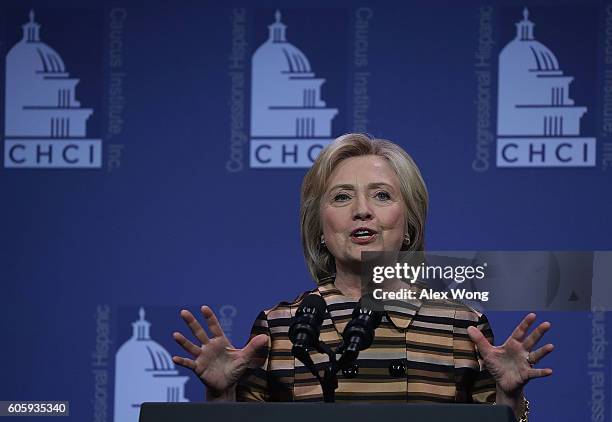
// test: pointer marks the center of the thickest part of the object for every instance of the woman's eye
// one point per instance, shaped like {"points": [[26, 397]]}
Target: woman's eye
{"points": [[383, 196], [341, 197]]}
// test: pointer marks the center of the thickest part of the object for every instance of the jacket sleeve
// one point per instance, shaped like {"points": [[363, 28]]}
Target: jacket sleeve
{"points": [[254, 384]]}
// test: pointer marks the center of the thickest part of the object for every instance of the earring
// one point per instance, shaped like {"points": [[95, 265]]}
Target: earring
{"points": [[322, 242], [407, 239]]}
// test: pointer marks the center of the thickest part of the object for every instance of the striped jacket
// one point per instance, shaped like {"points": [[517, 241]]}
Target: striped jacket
{"points": [[428, 337]]}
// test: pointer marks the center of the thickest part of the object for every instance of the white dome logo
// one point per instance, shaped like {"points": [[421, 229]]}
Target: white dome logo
{"points": [[290, 123], [45, 125], [144, 372], [538, 124]]}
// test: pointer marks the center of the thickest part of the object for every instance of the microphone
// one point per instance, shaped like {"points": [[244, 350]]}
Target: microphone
{"points": [[304, 331], [359, 333]]}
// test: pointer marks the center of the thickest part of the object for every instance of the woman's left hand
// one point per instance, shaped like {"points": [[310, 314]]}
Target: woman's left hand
{"points": [[511, 364]]}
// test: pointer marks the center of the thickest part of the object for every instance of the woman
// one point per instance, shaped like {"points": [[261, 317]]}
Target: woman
{"points": [[364, 194]]}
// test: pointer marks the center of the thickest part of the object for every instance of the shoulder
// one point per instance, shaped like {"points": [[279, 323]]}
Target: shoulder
{"points": [[456, 316], [282, 312], [461, 314]]}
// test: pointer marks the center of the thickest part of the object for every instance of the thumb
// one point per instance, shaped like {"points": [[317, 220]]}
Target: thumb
{"points": [[255, 348], [479, 340]]}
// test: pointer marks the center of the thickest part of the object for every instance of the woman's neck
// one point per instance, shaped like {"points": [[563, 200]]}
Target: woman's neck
{"points": [[348, 282]]}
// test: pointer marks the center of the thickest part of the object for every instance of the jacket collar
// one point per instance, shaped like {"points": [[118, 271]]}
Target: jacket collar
{"points": [[340, 307]]}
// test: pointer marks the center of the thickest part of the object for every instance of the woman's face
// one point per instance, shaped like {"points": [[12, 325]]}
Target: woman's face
{"points": [[362, 209]]}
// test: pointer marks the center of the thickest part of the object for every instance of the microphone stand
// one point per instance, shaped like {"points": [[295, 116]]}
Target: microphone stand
{"points": [[329, 381], [361, 329]]}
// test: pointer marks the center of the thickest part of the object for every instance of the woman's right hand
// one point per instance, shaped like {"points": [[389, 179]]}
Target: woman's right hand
{"points": [[216, 362]]}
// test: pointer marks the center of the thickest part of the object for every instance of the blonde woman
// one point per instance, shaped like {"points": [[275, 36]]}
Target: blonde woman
{"points": [[365, 194]]}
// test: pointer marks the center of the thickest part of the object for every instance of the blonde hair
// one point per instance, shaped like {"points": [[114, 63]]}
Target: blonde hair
{"points": [[319, 260]]}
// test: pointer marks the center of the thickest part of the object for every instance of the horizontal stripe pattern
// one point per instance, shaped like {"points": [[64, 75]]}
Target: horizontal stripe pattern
{"points": [[429, 337]]}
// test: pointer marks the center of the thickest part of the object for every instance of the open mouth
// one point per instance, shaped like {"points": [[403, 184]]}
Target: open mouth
{"points": [[363, 235]]}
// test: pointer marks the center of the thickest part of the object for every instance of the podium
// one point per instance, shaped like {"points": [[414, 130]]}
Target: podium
{"points": [[322, 412]]}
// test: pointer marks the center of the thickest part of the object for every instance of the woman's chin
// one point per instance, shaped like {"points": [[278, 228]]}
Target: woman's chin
{"points": [[366, 249]]}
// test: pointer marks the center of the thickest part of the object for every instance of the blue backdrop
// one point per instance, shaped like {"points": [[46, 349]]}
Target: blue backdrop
{"points": [[141, 169]]}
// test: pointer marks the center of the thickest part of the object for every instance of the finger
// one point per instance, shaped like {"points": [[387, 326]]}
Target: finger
{"points": [[255, 346], [535, 336], [187, 363], [254, 351], [539, 373], [194, 326], [212, 321], [521, 329], [538, 354], [189, 347], [479, 340]]}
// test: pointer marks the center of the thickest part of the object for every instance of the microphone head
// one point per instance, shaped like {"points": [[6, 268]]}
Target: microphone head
{"points": [[372, 316], [314, 302], [359, 332], [304, 331]]}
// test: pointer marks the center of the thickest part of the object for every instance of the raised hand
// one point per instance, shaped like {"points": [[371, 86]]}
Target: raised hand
{"points": [[511, 364], [215, 361]]}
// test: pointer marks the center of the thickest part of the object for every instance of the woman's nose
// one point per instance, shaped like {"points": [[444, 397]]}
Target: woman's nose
{"points": [[362, 209]]}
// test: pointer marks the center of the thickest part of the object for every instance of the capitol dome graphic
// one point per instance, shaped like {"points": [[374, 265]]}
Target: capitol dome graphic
{"points": [[45, 125], [538, 123], [290, 122], [144, 372]]}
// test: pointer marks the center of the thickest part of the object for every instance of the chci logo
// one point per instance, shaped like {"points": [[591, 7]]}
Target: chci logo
{"points": [[290, 123], [45, 126], [538, 124]]}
